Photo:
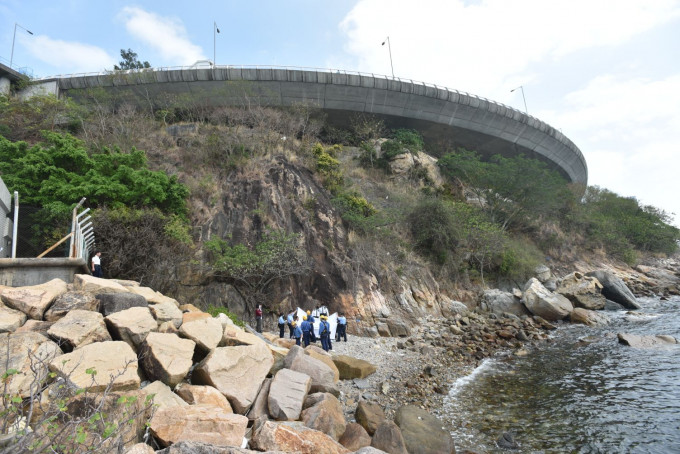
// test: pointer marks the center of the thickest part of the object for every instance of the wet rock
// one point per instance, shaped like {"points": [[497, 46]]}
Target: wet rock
{"points": [[422, 432], [636, 341], [587, 317], [507, 441]]}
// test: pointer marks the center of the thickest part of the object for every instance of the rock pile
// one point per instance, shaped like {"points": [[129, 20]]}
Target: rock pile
{"points": [[212, 383]]}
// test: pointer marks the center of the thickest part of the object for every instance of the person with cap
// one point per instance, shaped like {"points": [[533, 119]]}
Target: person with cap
{"points": [[310, 318], [325, 333], [342, 328], [290, 324], [306, 327], [282, 325], [297, 333]]}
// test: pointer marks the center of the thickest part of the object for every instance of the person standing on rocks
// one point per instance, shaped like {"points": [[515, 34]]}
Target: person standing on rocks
{"points": [[342, 328], [97, 264], [290, 324], [258, 318], [306, 327], [297, 333], [325, 333], [282, 325]]}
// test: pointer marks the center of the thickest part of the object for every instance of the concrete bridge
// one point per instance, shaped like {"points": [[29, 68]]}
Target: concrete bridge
{"points": [[442, 115]]}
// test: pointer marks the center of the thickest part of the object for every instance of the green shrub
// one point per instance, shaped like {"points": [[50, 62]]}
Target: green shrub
{"points": [[390, 149], [216, 310], [410, 139]]}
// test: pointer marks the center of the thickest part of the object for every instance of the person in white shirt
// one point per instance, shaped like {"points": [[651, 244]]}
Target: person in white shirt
{"points": [[97, 264]]}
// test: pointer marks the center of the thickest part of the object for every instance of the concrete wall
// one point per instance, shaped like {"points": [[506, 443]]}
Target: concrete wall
{"points": [[23, 272], [460, 118], [5, 221]]}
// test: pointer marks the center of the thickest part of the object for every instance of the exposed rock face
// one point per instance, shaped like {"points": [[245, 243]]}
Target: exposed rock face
{"points": [[206, 332], [21, 347], [636, 341], [95, 285], [108, 359], [582, 291], [587, 317], [540, 301], [237, 372], [294, 437], [166, 312], [110, 303], [198, 423], [33, 300], [500, 302], [79, 328], [163, 395], [350, 368], [369, 415], [10, 319], [388, 437], [287, 393], [422, 432], [71, 301], [131, 325], [613, 288], [166, 357], [325, 415], [203, 395], [355, 437]]}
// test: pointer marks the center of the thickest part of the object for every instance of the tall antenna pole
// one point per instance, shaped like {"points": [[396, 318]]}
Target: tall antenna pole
{"points": [[215, 32], [389, 47], [523, 98], [11, 58]]}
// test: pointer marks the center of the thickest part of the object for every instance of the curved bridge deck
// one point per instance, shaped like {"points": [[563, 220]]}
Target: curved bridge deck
{"points": [[441, 114]]}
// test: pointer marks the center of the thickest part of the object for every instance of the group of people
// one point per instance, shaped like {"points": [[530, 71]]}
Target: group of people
{"points": [[303, 331]]}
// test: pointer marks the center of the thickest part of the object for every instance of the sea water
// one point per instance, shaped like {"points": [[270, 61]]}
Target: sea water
{"points": [[583, 392]]}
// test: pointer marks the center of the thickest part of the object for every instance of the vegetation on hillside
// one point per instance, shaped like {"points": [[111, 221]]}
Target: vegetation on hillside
{"points": [[493, 219]]}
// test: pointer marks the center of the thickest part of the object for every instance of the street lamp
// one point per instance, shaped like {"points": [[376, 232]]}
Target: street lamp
{"points": [[389, 47], [11, 58], [215, 32], [523, 98]]}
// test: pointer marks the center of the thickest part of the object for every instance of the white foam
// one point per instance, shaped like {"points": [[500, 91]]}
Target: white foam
{"points": [[459, 384]]}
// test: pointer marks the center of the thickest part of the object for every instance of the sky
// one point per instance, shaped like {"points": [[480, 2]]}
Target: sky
{"points": [[606, 73]]}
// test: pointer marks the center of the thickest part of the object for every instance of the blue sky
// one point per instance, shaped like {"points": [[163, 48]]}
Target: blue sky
{"points": [[605, 73]]}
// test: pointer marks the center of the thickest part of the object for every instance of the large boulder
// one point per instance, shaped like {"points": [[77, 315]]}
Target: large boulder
{"points": [[151, 296], [587, 317], [582, 291], [237, 372], [131, 325], [203, 395], [35, 299], [234, 336], [613, 288], [322, 376], [369, 415], [95, 366], [422, 432], [287, 394], [163, 397], [206, 332], [294, 437], [355, 437], [79, 328], [198, 423], [318, 353], [499, 302], [198, 447], [10, 319], [166, 312], [110, 303], [95, 285], [350, 367], [542, 302], [633, 340], [388, 438], [69, 301], [279, 355], [166, 357], [323, 412], [22, 352], [260, 408]]}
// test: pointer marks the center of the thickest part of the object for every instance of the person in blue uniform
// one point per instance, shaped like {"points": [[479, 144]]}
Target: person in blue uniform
{"points": [[290, 324], [325, 333], [297, 333], [342, 328], [282, 325], [306, 328], [310, 318]]}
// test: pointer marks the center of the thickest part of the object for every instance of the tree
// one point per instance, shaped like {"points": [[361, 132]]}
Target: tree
{"points": [[129, 61]]}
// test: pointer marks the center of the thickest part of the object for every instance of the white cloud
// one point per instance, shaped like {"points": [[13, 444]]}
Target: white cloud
{"points": [[68, 56], [164, 34]]}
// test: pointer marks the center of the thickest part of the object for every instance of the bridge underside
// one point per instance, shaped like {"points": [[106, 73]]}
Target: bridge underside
{"points": [[443, 116]]}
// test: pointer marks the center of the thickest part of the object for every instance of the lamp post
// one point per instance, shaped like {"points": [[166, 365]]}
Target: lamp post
{"points": [[523, 98], [11, 58], [389, 47], [215, 32]]}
